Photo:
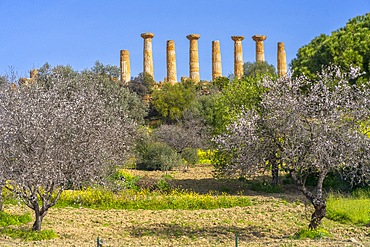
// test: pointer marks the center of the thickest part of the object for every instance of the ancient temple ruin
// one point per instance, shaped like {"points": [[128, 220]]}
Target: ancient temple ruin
{"points": [[194, 69]]}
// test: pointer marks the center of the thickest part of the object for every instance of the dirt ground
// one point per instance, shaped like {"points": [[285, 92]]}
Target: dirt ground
{"points": [[270, 221]]}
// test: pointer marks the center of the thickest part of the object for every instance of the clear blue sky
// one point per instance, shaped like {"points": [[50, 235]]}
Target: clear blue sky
{"points": [[80, 32]]}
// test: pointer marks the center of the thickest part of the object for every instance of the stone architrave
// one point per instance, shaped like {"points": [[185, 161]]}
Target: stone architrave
{"points": [[260, 51], [281, 60], [125, 66], [238, 56], [148, 53], [194, 57], [171, 62], [216, 60]]}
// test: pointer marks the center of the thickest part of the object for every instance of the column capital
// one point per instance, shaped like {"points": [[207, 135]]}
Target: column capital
{"points": [[259, 37], [193, 36], [147, 35], [237, 38]]}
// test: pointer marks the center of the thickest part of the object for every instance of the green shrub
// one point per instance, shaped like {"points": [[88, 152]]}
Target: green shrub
{"points": [[157, 156], [9, 219], [312, 234], [190, 155], [125, 179], [205, 157], [162, 185]]}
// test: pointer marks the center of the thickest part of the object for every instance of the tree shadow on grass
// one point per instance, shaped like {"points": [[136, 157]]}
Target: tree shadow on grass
{"points": [[173, 231], [207, 185], [289, 192]]}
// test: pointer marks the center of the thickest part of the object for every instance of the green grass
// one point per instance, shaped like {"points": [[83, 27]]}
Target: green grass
{"points": [[348, 210], [9, 219], [29, 235], [131, 199], [312, 234]]}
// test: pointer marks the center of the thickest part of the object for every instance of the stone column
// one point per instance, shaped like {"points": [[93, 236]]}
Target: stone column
{"points": [[171, 62], [194, 57], [34, 73], [260, 52], [148, 54], [125, 66], [216, 60], [281, 60], [238, 56]]}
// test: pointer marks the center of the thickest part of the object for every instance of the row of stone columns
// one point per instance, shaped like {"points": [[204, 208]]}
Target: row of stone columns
{"points": [[194, 58]]}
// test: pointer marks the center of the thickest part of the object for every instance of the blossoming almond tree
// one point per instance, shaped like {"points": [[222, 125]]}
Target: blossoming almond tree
{"points": [[313, 128], [57, 132]]}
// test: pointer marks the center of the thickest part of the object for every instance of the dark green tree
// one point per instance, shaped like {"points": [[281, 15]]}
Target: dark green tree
{"points": [[235, 96], [349, 45], [143, 84]]}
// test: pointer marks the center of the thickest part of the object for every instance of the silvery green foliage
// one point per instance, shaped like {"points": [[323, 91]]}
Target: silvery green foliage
{"points": [[312, 127], [58, 133]]}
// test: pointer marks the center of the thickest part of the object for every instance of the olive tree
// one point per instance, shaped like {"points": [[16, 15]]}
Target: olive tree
{"points": [[314, 128], [59, 132]]}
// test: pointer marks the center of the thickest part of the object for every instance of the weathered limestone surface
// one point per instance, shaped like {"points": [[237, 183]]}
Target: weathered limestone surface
{"points": [[238, 56], [171, 62], [148, 53], [216, 60], [194, 57], [260, 52], [125, 66], [32, 79], [281, 60], [33, 73]]}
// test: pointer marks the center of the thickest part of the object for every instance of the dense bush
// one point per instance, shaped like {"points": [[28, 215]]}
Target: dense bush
{"points": [[157, 156]]}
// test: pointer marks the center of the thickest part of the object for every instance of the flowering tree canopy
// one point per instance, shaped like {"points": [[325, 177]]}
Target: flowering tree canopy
{"points": [[312, 127], [58, 132]]}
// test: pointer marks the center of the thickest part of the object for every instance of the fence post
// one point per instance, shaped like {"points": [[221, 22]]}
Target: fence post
{"points": [[236, 239]]}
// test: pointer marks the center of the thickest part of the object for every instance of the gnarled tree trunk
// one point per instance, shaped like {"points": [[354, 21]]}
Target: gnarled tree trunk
{"points": [[319, 214], [316, 199], [39, 216]]}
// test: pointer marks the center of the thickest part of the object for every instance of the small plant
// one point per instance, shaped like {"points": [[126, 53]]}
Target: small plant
{"points": [[312, 234], [162, 185], [125, 179]]}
